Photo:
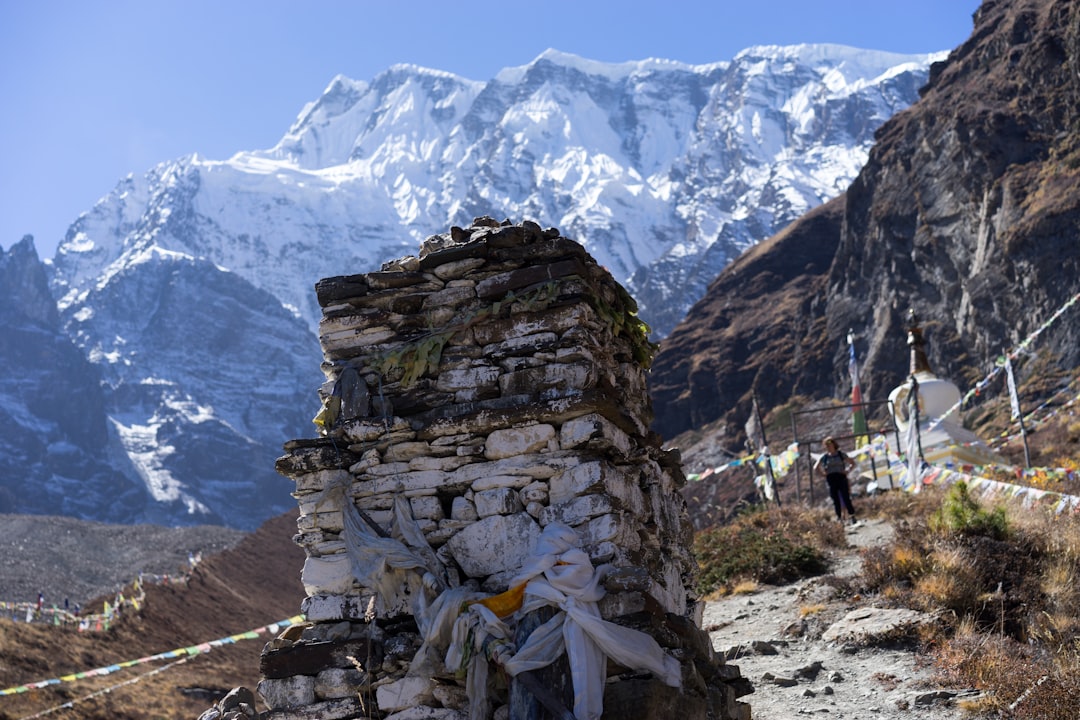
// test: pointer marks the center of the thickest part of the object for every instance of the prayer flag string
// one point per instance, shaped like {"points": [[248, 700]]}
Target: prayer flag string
{"points": [[179, 652]]}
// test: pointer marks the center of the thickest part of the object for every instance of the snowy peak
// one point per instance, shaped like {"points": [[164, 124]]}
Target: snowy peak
{"points": [[340, 95], [612, 72], [824, 56], [353, 119]]}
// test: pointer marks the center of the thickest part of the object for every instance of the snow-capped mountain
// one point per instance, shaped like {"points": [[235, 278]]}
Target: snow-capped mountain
{"points": [[664, 171], [191, 286]]}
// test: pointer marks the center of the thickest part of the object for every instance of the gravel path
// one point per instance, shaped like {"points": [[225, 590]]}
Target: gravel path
{"points": [[780, 639]]}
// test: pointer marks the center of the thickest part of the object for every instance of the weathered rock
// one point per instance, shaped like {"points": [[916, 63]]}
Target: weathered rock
{"points": [[499, 501], [339, 683], [866, 624], [495, 544], [519, 441], [763, 648], [288, 692], [404, 693], [337, 709], [780, 680]]}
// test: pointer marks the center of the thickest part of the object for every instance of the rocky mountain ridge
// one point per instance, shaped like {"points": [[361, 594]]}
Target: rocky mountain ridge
{"points": [[664, 171], [53, 432], [967, 211]]}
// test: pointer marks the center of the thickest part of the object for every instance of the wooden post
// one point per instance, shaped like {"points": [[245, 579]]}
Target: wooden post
{"points": [[537, 695], [798, 473]]}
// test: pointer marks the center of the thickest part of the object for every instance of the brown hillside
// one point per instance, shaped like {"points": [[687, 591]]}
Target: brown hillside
{"points": [[77, 560], [755, 329], [255, 583]]}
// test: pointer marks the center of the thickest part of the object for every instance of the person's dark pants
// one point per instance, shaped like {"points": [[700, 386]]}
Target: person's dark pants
{"points": [[840, 491]]}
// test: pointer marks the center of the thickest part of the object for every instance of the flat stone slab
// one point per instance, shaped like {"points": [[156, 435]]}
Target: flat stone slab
{"points": [[865, 624]]}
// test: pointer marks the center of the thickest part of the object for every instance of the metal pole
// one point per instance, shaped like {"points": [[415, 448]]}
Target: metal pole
{"points": [[1014, 399]]}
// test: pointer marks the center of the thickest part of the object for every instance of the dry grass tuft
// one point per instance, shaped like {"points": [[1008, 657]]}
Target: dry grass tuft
{"points": [[1004, 581], [745, 587]]}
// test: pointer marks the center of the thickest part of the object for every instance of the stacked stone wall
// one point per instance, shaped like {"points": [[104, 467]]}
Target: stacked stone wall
{"points": [[497, 382]]}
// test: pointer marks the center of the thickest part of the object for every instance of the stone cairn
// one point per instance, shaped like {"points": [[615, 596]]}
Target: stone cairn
{"points": [[497, 384]]}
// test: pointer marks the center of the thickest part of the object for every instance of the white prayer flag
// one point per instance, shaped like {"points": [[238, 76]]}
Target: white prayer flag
{"points": [[914, 462], [1014, 399]]}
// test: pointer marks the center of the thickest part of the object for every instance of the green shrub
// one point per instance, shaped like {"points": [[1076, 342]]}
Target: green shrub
{"points": [[755, 547], [960, 514]]}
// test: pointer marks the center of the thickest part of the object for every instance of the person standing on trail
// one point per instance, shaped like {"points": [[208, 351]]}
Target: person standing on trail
{"points": [[834, 465]]}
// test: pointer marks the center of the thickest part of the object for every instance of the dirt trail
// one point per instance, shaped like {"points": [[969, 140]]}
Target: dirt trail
{"points": [[775, 635]]}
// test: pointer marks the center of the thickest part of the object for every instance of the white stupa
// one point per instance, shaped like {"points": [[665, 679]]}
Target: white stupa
{"points": [[943, 440]]}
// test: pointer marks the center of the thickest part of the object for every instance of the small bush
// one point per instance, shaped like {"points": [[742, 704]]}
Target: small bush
{"points": [[960, 514], [893, 569], [766, 546]]}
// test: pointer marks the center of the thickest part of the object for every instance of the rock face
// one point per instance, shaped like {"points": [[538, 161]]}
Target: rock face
{"points": [[483, 399], [162, 400], [53, 425], [204, 375], [967, 210]]}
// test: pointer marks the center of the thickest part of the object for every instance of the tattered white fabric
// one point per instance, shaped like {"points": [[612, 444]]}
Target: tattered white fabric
{"points": [[560, 574], [912, 480], [381, 564], [765, 484], [569, 582], [438, 629], [478, 636]]}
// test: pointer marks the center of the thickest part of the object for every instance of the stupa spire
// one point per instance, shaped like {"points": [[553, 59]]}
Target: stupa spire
{"points": [[919, 363]]}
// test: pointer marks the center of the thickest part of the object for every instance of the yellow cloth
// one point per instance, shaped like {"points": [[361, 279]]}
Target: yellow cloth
{"points": [[504, 603]]}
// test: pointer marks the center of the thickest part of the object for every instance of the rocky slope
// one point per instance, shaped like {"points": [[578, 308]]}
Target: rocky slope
{"points": [[72, 560], [763, 317], [808, 649], [967, 210]]}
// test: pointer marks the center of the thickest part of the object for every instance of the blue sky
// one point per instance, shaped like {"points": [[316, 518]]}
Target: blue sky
{"points": [[93, 91]]}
